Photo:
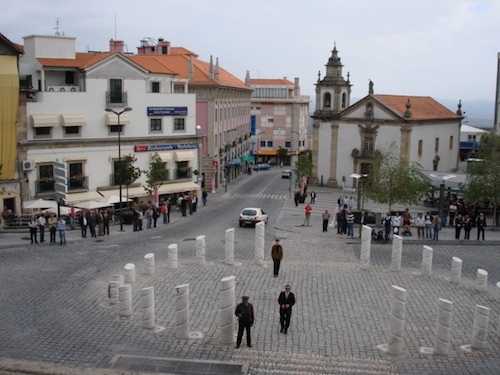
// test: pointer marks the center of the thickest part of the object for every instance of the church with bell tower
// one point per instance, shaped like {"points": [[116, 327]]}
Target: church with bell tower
{"points": [[345, 136]]}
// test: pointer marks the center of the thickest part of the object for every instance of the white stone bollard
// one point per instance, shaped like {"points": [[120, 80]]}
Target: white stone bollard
{"points": [[480, 330], [427, 260], [200, 251], [397, 251], [366, 242], [229, 247], [497, 297], [481, 280], [182, 311], [129, 276], [114, 295], [260, 233], [148, 307], [443, 326], [395, 340], [456, 270], [173, 256], [227, 310], [118, 278], [149, 262], [125, 297]]}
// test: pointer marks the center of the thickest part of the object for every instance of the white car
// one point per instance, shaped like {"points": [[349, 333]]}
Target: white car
{"points": [[252, 216], [286, 173]]}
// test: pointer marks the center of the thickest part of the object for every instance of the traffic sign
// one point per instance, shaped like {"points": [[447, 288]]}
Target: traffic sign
{"points": [[61, 180]]}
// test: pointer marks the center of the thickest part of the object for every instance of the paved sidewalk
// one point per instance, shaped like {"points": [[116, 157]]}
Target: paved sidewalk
{"points": [[340, 318]]}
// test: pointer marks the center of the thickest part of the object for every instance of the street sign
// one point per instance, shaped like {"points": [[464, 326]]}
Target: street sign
{"points": [[61, 180]]}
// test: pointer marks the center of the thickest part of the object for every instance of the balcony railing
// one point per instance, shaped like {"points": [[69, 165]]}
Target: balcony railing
{"points": [[116, 98], [44, 185], [183, 173], [78, 183]]}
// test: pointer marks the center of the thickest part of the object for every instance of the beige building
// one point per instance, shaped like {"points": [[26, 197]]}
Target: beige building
{"points": [[279, 119], [345, 136]]}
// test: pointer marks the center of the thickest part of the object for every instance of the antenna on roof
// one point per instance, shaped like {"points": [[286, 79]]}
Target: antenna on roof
{"points": [[115, 25], [57, 27]]}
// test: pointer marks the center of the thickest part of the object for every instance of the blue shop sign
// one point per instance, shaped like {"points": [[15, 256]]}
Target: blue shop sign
{"points": [[167, 111]]}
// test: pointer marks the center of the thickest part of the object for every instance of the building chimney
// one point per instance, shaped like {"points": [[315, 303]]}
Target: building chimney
{"points": [[297, 86], [116, 46], [163, 47]]}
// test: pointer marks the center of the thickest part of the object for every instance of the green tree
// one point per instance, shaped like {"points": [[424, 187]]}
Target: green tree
{"points": [[394, 180], [482, 180], [129, 172], [303, 168], [155, 175], [282, 153]]}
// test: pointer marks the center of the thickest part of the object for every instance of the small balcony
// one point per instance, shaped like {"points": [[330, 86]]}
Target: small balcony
{"points": [[183, 173], [116, 99], [78, 183], [44, 185]]}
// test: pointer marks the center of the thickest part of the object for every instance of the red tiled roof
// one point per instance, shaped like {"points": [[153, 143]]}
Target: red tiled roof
{"points": [[271, 81], [422, 107], [82, 60], [177, 63]]}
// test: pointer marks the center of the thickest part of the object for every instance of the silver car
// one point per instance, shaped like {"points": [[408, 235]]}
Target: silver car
{"points": [[252, 216]]}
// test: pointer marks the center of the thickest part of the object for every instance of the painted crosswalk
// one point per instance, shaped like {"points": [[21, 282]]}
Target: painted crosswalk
{"points": [[255, 196]]}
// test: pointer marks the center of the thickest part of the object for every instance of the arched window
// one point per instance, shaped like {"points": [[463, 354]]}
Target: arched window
{"points": [[327, 100]]}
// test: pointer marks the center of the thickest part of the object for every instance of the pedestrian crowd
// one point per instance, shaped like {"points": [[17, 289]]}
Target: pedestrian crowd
{"points": [[96, 222]]}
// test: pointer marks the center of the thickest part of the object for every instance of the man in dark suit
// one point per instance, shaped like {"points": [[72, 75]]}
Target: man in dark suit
{"points": [[481, 224], [286, 300], [245, 313]]}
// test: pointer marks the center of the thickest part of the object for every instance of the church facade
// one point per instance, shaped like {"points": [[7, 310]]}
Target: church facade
{"points": [[346, 136]]}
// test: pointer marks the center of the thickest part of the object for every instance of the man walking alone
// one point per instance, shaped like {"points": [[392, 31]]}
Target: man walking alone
{"points": [[326, 218], [286, 300], [277, 255]]}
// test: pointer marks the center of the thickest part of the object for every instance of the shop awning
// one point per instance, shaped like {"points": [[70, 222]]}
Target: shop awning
{"points": [[179, 187], [274, 153], [133, 192], [79, 197], [43, 120], [73, 119], [450, 180], [164, 156], [234, 162], [184, 155], [112, 119]]}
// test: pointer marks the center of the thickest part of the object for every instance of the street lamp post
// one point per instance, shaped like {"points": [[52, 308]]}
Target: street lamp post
{"points": [[298, 147], [120, 166], [258, 148], [200, 148], [441, 191]]}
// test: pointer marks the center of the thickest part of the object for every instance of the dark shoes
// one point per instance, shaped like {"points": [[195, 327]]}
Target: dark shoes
{"points": [[281, 330], [249, 345]]}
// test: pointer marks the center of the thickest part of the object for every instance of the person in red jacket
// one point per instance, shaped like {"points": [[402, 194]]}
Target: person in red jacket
{"points": [[307, 210]]}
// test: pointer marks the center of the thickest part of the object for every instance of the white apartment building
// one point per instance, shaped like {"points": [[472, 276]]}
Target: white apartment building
{"points": [[64, 120]]}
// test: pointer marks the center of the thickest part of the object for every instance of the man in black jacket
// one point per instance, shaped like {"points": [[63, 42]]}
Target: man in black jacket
{"points": [[245, 313], [286, 300]]}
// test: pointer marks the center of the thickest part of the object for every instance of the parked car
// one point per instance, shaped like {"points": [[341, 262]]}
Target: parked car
{"points": [[370, 217], [262, 167], [286, 174], [252, 216]]}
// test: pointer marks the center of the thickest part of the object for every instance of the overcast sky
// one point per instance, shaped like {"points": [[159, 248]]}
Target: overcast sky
{"points": [[446, 49]]}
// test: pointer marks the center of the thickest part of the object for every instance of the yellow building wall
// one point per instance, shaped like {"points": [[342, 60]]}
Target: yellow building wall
{"points": [[9, 101]]}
